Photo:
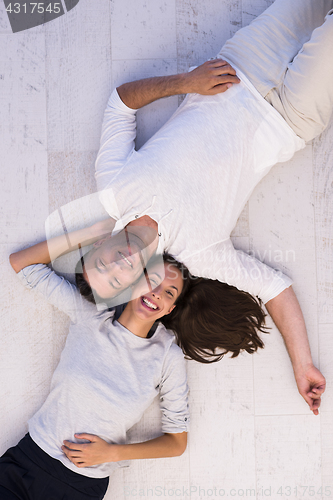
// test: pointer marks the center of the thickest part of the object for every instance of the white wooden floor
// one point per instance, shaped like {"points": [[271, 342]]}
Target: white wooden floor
{"points": [[252, 435]]}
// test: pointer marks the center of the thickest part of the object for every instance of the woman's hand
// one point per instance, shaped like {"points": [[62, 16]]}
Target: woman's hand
{"points": [[212, 77], [96, 452], [99, 451]]}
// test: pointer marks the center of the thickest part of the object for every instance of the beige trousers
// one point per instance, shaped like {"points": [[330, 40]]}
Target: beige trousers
{"points": [[287, 54]]}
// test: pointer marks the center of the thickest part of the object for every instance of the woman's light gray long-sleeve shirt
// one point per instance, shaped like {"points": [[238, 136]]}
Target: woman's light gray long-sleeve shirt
{"points": [[106, 377]]}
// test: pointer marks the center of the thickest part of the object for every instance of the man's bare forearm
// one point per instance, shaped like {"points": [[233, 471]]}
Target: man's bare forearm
{"points": [[142, 92], [287, 315], [210, 78]]}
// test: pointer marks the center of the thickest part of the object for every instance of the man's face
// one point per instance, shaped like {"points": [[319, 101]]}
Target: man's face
{"points": [[116, 262]]}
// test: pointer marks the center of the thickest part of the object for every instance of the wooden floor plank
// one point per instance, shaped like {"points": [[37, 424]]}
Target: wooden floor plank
{"points": [[325, 363], [288, 456], [23, 175], [78, 56], [202, 30], [327, 452], [143, 29], [323, 199]]}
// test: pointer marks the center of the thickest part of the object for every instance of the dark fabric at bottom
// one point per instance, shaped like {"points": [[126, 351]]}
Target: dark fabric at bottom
{"points": [[28, 473]]}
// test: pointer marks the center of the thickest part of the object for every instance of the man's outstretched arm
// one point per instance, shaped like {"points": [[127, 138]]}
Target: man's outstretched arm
{"points": [[212, 77], [44, 252], [287, 315]]}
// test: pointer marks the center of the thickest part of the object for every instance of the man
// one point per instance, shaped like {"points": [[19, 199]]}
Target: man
{"points": [[190, 182]]}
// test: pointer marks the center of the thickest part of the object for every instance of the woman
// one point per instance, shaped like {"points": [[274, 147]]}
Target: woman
{"points": [[108, 374]]}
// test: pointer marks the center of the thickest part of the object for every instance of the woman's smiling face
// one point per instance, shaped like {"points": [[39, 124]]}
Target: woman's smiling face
{"points": [[156, 292]]}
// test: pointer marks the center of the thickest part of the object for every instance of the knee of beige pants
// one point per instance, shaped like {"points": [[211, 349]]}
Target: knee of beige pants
{"points": [[263, 49], [305, 97]]}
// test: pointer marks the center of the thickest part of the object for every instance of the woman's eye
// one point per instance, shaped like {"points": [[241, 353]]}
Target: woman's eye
{"points": [[170, 293]]}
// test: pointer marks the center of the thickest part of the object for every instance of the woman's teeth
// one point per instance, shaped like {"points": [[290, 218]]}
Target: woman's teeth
{"points": [[148, 303]]}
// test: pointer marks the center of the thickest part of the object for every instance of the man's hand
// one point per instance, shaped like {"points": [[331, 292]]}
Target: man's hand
{"points": [[102, 228], [311, 385], [96, 452], [212, 77]]}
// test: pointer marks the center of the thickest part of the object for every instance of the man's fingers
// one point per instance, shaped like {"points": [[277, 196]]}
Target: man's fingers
{"points": [[319, 389], [313, 402], [218, 62], [224, 70], [218, 89], [223, 66], [219, 66], [222, 84], [221, 79], [316, 392]]}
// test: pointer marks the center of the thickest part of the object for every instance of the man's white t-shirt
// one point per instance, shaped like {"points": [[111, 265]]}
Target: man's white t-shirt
{"points": [[194, 176]]}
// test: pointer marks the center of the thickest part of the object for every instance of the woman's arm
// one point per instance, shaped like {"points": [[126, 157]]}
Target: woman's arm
{"points": [[98, 451], [287, 315], [42, 252]]}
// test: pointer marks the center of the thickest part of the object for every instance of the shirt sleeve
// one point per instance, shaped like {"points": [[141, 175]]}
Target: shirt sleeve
{"points": [[174, 392], [57, 290], [239, 269], [253, 276], [117, 140]]}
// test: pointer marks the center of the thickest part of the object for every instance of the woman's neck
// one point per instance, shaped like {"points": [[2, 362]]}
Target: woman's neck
{"points": [[136, 326]]}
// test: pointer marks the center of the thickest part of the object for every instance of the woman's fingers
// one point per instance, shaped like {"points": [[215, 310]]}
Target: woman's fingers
{"points": [[73, 455], [73, 446]]}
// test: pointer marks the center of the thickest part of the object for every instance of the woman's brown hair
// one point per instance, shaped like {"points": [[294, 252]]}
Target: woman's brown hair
{"points": [[214, 318]]}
